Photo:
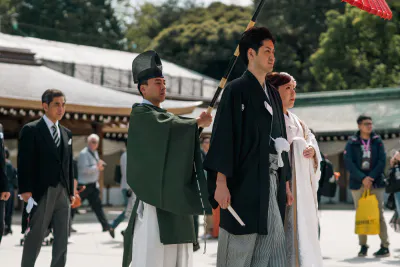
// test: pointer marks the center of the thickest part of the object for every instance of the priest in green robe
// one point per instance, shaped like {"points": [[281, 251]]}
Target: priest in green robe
{"points": [[164, 170]]}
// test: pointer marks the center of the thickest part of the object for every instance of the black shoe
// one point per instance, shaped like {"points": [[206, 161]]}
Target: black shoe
{"points": [[112, 232], [123, 232], [363, 251], [382, 252], [73, 230], [196, 247], [8, 231]]}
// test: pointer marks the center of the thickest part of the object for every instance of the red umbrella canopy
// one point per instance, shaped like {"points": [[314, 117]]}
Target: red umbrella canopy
{"points": [[376, 7]]}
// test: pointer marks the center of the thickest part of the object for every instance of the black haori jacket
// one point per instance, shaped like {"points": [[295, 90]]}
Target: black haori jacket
{"points": [[240, 148]]}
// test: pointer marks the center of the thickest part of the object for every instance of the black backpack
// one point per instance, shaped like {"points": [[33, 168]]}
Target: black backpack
{"points": [[327, 186], [393, 180]]}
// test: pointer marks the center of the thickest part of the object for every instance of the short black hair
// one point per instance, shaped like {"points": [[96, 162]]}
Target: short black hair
{"points": [[6, 152], [362, 118], [253, 38], [50, 94]]}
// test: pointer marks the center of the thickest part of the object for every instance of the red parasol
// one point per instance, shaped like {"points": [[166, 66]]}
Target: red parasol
{"points": [[376, 7]]}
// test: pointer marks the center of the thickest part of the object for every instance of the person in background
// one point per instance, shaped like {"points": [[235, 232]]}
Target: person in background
{"points": [[365, 159], [45, 178], [89, 168], [12, 185], [205, 145], [394, 176], [4, 194], [127, 194]]}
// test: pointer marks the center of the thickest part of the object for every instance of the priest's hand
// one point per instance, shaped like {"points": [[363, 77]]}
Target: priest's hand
{"points": [[204, 120], [222, 195], [309, 152]]}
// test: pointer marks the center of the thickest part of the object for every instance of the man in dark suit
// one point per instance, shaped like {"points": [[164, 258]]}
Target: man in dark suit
{"points": [[45, 171], [4, 192]]}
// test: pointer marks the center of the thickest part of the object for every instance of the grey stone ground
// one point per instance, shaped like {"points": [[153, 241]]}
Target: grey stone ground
{"points": [[91, 247]]}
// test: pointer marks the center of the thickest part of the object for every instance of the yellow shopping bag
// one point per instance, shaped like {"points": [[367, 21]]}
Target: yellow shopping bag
{"points": [[367, 215]]}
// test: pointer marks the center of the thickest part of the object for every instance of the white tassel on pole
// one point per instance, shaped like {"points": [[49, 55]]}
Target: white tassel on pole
{"points": [[281, 144]]}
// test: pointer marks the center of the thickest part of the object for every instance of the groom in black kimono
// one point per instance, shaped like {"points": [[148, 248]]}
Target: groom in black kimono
{"points": [[243, 162]]}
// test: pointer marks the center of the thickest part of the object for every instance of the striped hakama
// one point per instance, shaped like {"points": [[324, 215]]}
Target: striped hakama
{"points": [[256, 250]]}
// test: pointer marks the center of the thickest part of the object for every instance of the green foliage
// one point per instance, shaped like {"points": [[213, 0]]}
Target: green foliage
{"points": [[296, 25], [6, 11], [149, 21], [204, 39], [76, 21], [358, 50]]}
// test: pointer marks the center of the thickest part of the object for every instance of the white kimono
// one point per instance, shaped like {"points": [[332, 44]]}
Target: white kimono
{"points": [[301, 223], [148, 251]]}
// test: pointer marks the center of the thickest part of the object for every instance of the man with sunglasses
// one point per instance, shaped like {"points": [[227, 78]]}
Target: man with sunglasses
{"points": [[365, 159]]}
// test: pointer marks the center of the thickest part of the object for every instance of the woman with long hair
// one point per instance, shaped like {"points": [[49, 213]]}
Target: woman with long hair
{"points": [[301, 220]]}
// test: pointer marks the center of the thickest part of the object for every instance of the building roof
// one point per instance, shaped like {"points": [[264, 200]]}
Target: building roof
{"points": [[21, 86], [80, 54], [346, 96], [337, 111]]}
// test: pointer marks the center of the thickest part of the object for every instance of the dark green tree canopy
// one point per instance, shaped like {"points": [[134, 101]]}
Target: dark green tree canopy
{"points": [[358, 50], [77, 21]]}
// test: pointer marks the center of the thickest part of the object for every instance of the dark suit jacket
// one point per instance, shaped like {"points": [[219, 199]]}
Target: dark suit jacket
{"points": [[40, 164], [3, 176]]}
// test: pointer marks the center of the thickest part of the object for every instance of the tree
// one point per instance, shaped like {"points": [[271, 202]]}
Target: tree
{"points": [[149, 20], [76, 21], [296, 25], [358, 50], [7, 11], [204, 39]]}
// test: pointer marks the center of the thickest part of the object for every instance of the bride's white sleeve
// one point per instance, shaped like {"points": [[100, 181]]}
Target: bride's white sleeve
{"points": [[312, 141]]}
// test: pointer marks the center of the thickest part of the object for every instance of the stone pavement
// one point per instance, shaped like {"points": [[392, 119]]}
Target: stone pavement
{"points": [[91, 247]]}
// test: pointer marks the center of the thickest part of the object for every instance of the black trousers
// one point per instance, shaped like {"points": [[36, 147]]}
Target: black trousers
{"points": [[196, 227], [2, 217], [9, 209], [92, 194]]}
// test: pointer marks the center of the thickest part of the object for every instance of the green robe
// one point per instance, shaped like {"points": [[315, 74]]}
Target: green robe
{"points": [[164, 169]]}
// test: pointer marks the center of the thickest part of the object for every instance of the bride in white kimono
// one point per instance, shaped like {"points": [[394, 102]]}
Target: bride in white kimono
{"points": [[301, 221]]}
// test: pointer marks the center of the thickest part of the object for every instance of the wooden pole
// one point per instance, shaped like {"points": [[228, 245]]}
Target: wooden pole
{"points": [[232, 63]]}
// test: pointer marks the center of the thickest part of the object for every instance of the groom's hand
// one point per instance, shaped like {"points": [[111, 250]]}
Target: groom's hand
{"points": [[222, 194]]}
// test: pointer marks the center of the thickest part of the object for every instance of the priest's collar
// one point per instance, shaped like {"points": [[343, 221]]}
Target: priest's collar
{"points": [[147, 102]]}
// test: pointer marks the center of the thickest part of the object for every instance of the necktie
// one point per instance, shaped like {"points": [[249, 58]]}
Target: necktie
{"points": [[56, 138]]}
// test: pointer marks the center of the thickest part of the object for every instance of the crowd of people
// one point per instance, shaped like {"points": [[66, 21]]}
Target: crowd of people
{"points": [[259, 175]]}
